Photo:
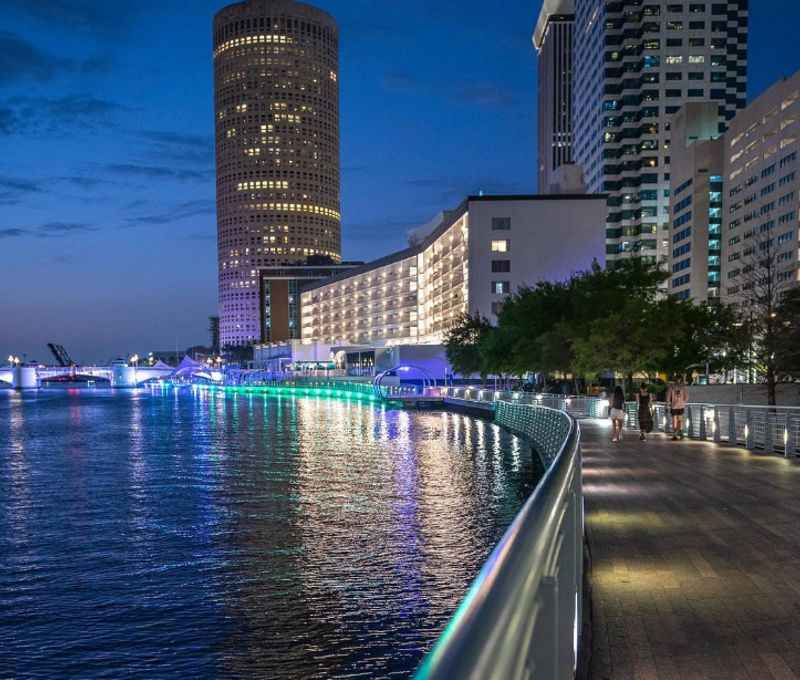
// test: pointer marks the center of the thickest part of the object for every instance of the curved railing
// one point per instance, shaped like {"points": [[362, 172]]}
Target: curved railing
{"points": [[522, 615], [580, 407]]}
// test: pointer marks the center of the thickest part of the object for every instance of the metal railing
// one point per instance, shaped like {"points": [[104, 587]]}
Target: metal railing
{"points": [[522, 615], [774, 429], [578, 407]]}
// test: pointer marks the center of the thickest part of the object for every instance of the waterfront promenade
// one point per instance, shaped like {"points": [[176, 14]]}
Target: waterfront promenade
{"points": [[696, 559]]}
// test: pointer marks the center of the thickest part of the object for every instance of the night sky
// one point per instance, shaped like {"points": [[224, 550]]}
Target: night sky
{"points": [[107, 166]]}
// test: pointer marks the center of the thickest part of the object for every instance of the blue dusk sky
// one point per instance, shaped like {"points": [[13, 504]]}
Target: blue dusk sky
{"points": [[107, 166]]}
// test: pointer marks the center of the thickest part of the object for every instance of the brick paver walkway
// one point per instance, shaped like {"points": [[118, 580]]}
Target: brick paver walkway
{"points": [[696, 560]]}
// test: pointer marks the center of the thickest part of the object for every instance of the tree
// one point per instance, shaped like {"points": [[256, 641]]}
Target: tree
{"points": [[463, 345], [764, 284], [531, 319], [787, 341], [496, 351], [551, 324], [706, 336]]}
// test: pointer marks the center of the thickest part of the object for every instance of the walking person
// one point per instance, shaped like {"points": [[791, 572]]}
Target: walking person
{"points": [[617, 413], [645, 402], [677, 396]]}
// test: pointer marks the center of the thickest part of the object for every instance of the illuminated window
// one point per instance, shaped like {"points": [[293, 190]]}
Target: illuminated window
{"points": [[501, 287], [501, 246]]}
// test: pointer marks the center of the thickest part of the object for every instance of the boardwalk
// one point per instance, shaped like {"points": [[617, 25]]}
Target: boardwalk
{"points": [[696, 560]]}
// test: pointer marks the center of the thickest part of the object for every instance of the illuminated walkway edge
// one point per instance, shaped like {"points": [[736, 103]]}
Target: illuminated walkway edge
{"points": [[340, 392]]}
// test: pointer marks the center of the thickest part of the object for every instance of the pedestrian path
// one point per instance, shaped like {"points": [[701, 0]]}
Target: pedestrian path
{"points": [[695, 559]]}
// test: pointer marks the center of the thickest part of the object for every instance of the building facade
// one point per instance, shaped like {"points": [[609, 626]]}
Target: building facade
{"points": [[553, 42], [696, 203], [762, 192], [279, 297], [276, 92], [635, 63], [478, 255]]}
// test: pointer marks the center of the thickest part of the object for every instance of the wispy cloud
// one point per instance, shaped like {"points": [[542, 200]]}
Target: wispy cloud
{"points": [[199, 236], [100, 18], [15, 189], [181, 147], [12, 233], [182, 211], [48, 230], [473, 94], [23, 115], [83, 182], [21, 60], [156, 172], [176, 138], [56, 229]]}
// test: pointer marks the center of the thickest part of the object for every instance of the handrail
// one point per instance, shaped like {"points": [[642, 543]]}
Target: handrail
{"points": [[522, 615]]}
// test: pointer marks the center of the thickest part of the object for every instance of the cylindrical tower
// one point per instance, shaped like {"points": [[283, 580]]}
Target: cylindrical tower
{"points": [[276, 92]]}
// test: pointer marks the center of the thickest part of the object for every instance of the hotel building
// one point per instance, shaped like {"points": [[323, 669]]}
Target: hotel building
{"points": [[553, 42], [762, 191], [635, 63], [276, 94], [479, 254]]}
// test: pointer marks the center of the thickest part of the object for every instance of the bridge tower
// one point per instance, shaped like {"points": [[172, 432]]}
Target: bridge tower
{"points": [[24, 378]]}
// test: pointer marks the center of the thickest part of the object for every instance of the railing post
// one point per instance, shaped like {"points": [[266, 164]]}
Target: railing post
{"points": [[702, 423], [717, 430], [748, 430], [733, 438]]}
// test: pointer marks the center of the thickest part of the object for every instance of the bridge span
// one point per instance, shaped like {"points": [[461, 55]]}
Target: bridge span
{"points": [[30, 377]]}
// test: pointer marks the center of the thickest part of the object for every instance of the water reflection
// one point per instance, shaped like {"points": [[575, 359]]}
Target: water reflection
{"points": [[210, 535]]}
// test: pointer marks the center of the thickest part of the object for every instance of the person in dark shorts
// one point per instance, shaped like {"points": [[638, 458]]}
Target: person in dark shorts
{"points": [[677, 396], [617, 413], [645, 402]]}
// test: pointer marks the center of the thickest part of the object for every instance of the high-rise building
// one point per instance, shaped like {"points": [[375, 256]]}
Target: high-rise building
{"points": [[761, 244], [276, 90], [696, 196], [636, 62], [213, 329], [553, 42]]}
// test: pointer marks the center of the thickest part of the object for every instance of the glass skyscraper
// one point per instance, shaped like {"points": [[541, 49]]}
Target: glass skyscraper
{"points": [[636, 63]]}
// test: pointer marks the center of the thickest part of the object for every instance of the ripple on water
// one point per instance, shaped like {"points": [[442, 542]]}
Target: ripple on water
{"points": [[208, 536]]}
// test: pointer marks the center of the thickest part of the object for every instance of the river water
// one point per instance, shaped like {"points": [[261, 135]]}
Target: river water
{"points": [[159, 534]]}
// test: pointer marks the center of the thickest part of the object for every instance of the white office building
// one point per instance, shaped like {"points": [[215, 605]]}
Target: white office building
{"points": [[762, 175]]}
